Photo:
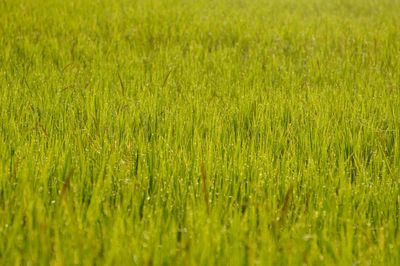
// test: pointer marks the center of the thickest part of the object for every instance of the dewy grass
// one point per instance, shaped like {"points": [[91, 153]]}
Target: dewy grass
{"points": [[203, 132]]}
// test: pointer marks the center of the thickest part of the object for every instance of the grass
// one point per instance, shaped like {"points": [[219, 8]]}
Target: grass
{"points": [[199, 132]]}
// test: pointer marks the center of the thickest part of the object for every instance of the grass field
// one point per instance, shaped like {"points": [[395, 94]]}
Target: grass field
{"points": [[194, 132]]}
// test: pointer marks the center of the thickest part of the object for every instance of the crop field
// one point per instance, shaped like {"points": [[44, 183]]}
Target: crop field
{"points": [[200, 132]]}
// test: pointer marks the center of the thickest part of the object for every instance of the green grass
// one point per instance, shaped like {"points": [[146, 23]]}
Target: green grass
{"points": [[192, 132]]}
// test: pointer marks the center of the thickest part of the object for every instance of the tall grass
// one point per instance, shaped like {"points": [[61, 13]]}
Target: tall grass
{"points": [[199, 132]]}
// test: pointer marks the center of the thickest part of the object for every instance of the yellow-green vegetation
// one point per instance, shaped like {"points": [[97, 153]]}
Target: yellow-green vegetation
{"points": [[199, 132]]}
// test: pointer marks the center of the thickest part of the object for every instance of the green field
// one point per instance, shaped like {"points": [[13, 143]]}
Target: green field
{"points": [[200, 132]]}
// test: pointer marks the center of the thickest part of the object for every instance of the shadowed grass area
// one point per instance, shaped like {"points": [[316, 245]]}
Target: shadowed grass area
{"points": [[190, 132]]}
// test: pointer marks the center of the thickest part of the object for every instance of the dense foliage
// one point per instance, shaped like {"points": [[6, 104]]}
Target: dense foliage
{"points": [[199, 132]]}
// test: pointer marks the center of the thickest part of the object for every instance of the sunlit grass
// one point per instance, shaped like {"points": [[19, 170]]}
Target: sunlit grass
{"points": [[199, 132]]}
